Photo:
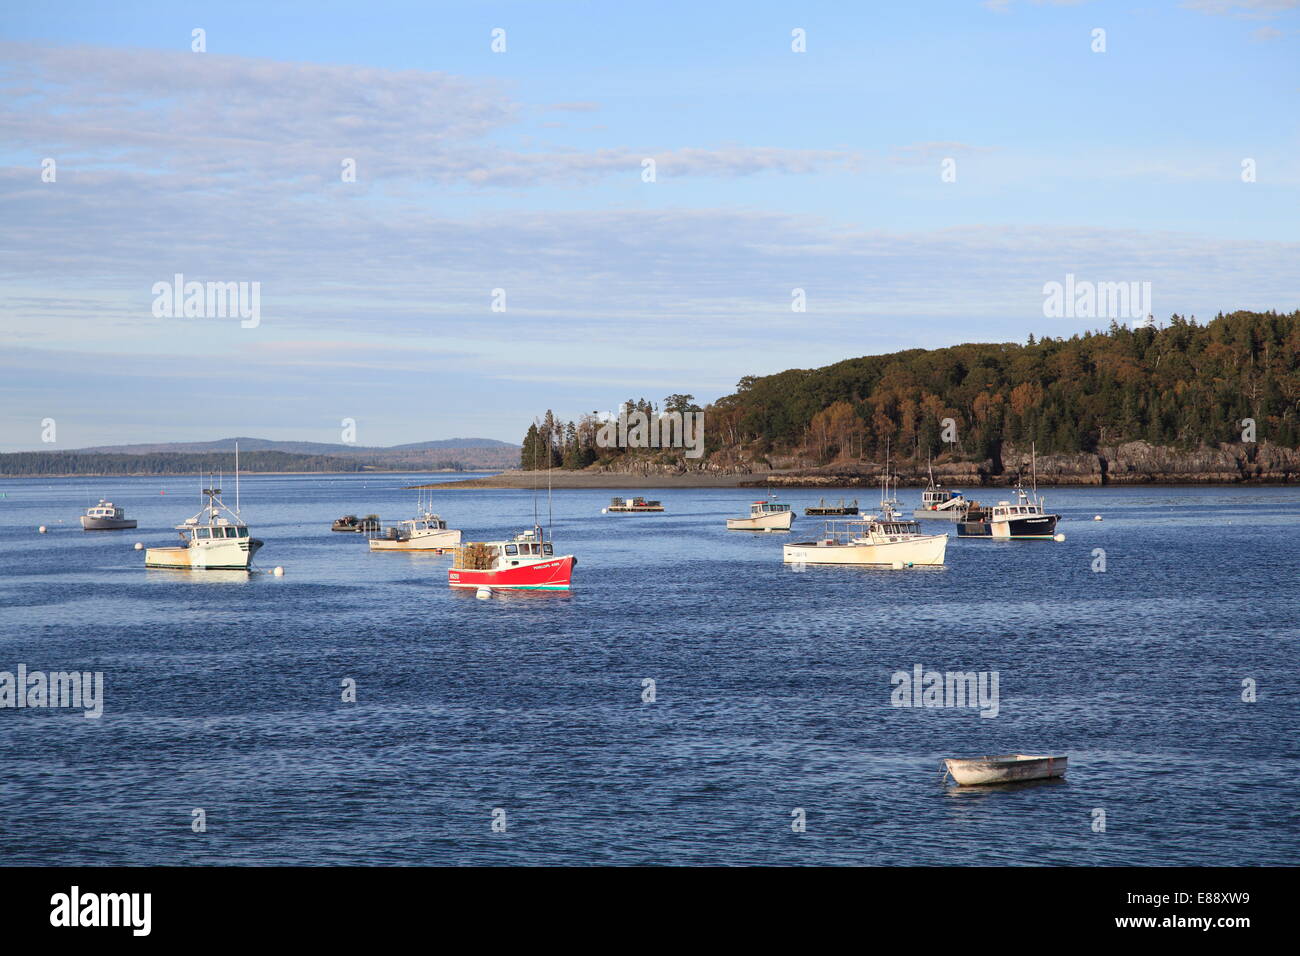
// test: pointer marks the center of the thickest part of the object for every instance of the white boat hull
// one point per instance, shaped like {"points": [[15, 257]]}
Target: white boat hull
{"points": [[922, 551], [1009, 769], [106, 524], [230, 554], [776, 521], [937, 514], [419, 541]]}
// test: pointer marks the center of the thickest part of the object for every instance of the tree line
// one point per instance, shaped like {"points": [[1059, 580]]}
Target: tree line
{"points": [[1182, 384], [573, 445], [36, 463]]}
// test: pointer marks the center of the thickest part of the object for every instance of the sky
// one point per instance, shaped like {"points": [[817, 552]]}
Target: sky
{"points": [[920, 171]]}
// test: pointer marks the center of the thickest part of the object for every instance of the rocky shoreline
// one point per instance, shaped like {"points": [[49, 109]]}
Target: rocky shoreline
{"points": [[1130, 463]]}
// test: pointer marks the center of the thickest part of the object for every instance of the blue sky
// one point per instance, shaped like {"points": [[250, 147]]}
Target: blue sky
{"points": [[522, 170]]}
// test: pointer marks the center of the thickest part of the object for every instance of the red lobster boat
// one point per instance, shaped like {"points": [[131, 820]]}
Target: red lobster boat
{"points": [[526, 563]]}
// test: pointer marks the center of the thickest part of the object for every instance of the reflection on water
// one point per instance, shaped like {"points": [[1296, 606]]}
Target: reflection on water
{"points": [[957, 790], [200, 576]]}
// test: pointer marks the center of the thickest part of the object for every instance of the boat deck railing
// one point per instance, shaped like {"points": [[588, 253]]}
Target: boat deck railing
{"points": [[854, 529]]}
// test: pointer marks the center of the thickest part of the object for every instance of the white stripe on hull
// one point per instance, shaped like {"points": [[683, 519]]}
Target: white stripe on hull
{"points": [[433, 541], [776, 521], [926, 551]]}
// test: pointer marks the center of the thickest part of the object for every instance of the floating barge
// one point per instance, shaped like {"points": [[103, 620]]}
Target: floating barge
{"points": [[825, 510], [630, 505], [353, 523], [1011, 768]]}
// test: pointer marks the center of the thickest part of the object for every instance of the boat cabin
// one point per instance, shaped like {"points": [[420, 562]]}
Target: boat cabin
{"points": [[869, 530], [526, 549], [932, 498], [426, 523], [760, 508], [105, 509], [221, 529], [1005, 510]]}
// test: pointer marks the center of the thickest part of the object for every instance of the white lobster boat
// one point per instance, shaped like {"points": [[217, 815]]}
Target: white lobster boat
{"points": [[105, 516], [870, 541], [888, 540], [764, 516], [214, 539], [428, 532]]}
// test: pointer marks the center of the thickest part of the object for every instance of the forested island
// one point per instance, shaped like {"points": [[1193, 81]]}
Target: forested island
{"points": [[191, 458], [1179, 402]]}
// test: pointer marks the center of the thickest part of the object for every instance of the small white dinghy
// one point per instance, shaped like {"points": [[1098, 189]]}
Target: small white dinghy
{"points": [[1011, 768]]}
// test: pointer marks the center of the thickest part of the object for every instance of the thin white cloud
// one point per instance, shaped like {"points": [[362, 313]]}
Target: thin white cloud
{"points": [[208, 120], [1246, 9]]}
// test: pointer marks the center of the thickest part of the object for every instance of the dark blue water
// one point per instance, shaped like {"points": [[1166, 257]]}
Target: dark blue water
{"points": [[773, 687]]}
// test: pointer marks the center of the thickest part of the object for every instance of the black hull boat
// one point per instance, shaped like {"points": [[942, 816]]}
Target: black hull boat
{"points": [[1028, 527]]}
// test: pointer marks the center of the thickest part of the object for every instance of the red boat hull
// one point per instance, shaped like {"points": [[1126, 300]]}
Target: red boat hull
{"points": [[550, 575]]}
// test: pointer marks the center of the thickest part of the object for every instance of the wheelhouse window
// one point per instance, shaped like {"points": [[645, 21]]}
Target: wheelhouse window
{"points": [[204, 533], [243, 532], [511, 549], [548, 548]]}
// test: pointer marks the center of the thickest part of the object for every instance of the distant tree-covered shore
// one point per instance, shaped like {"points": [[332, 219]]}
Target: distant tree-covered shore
{"points": [[49, 463], [1180, 385]]}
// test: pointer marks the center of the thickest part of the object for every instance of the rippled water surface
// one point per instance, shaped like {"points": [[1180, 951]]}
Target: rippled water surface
{"points": [[773, 687]]}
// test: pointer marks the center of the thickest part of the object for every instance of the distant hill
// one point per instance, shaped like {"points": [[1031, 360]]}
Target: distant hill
{"points": [[264, 455], [291, 447]]}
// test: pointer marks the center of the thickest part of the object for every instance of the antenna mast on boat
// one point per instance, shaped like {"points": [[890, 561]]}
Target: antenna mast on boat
{"points": [[236, 478], [535, 482], [1033, 458]]}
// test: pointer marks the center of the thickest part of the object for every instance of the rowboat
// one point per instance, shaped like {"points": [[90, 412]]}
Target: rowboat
{"points": [[1007, 769]]}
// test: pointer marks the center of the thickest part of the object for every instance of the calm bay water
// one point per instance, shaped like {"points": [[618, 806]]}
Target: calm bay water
{"points": [[773, 687]]}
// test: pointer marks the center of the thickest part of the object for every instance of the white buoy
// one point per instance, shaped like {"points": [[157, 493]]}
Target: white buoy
{"points": [[1096, 517], [898, 565], [483, 593], [139, 546], [1059, 537], [278, 572], [604, 511], [41, 529]]}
